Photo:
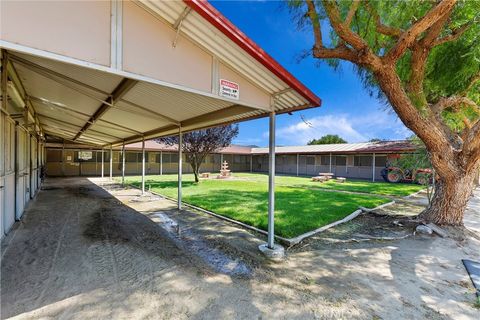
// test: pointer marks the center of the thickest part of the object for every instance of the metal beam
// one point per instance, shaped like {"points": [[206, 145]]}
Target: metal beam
{"points": [[162, 116], [271, 182], [117, 94], [123, 164], [298, 159], [180, 146], [161, 162], [4, 79], [76, 126], [116, 34], [143, 166], [68, 109], [48, 72], [103, 163], [17, 82], [111, 162], [181, 17], [330, 163], [234, 110], [231, 111], [177, 25]]}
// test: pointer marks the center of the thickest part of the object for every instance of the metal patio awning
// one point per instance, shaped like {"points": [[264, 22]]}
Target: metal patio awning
{"points": [[92, 104]]}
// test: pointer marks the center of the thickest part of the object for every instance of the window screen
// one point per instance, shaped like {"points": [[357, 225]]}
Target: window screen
{"points": [[310, 160], [340, 160], [363, 161], [380, 161], [325, 160]]}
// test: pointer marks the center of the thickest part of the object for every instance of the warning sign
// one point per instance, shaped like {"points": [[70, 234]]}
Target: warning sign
{"points": [[229, 89]]}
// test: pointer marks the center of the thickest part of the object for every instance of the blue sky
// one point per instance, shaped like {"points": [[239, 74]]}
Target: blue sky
{"points": [[347, 108]]}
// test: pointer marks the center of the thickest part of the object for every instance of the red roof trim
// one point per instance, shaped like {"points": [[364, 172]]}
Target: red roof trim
{"points": [[212, 15]]}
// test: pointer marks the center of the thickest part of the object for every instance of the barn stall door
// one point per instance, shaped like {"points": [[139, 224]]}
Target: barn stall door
{"points": [[7, 145], [23, 192], [34, 166], [2, 173]]}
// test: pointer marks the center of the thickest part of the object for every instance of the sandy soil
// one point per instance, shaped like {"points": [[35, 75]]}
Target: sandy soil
{"points": [[84, 252]]}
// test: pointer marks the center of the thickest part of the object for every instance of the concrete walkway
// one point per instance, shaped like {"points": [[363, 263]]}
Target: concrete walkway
{"points": [[89, 249]]}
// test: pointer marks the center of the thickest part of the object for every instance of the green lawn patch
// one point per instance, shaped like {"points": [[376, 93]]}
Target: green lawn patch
{"points": [[379, 188], [297, 210]]}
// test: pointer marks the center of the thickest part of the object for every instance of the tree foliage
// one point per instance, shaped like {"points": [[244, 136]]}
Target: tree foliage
{"points": [[327, 139], [422, 57], [198, 144]]}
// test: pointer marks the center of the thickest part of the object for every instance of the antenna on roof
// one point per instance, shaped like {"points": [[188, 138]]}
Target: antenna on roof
{"points": [[308, 123]]}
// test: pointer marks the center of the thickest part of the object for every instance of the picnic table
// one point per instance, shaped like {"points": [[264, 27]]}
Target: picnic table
{"points": [[205, 175], [327, 175]]}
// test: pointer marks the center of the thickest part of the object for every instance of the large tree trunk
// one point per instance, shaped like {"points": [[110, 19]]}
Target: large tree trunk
{"points": [[450, 200], [457, 171]]}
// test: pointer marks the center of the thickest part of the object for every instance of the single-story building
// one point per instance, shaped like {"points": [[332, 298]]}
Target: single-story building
{"points": [[350, 160]]}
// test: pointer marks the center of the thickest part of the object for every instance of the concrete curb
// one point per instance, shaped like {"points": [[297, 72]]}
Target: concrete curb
{"points": [[413, 194], [302, 237], [366, 210]]}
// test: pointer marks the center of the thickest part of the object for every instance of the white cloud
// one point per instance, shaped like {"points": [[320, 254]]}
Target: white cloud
{"points": [[351, 128]]}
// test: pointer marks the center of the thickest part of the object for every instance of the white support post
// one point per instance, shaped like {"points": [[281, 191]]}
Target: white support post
{"points": [[221, 160], [298, 161], [161, 163], [123, 163], [103, 163], [63, 158], [111, 162], [330, 163], [143, 166], [180, 146], [251, 163], [271, 182], [373, 168]]}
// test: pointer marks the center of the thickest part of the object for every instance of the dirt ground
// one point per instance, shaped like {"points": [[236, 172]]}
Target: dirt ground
{"points": [[89, 249]]}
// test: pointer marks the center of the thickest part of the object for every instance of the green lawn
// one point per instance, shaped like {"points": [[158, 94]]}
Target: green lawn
{"points": [[380, 188], [298, 207]]}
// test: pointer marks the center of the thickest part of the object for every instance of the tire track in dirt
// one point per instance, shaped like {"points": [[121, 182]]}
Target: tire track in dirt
{"points": [[61, 235]]}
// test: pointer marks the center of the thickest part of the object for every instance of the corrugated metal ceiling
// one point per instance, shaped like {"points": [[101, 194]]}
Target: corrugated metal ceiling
{"points": [[66, 96]]}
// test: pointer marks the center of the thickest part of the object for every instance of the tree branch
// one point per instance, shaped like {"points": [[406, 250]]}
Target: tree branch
{"points": [[342, 30], [451, 102], [380, 27], [408, 37], [456, 33], [319, 51], [473, 80], [420, 52], [317, 31], [340, 52], [472, 141], [351, 12]]}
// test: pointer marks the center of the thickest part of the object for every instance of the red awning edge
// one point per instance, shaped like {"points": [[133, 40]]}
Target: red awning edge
{"points": [[212, 15]]}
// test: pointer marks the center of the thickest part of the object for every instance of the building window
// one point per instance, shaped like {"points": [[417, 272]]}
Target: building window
{"points": [[131, 156], [310, 160], [380, 161], [325, 160], [363, 161], [341, 160]]}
